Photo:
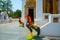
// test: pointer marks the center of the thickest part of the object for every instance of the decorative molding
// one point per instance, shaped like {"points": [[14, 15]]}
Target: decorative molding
{"points": [[30, 1], [30, 4]]}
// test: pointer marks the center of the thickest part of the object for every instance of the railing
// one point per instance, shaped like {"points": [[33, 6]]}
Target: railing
{"points": [[50, 19], [51, 16]]}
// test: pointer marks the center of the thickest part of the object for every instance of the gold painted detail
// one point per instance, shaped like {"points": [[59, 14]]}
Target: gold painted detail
{"points": [[30, 1]]}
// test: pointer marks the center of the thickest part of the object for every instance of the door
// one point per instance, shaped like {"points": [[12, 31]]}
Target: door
{"points": [[31, 14]]}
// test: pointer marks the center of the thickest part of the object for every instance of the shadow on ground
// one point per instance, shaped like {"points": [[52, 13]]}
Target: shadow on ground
{"points": [[37, 38]]}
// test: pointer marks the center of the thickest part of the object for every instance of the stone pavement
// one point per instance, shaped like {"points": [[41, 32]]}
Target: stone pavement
{"points": [[12, 31]]}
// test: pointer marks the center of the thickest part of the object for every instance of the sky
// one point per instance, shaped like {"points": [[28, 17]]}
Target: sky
{"points": [[16, 4]]}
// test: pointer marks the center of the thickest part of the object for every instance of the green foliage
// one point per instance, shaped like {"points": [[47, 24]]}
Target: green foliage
{"points": [[11, 14], [15, 14], [5, 5]]}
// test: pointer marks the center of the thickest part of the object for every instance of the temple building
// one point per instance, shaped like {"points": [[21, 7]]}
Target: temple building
{"points": [[46, 11], [30, 7], [50, 6], [3, 16]]}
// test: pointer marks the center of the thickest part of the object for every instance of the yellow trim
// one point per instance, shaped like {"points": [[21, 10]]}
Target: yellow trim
{"points": [[55, 8], [48, 7], [28, 1], [34, 5], [44, 6]]}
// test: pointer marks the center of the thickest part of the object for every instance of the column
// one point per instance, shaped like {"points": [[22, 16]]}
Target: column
{"points": [[44, 6], [55, 8]]}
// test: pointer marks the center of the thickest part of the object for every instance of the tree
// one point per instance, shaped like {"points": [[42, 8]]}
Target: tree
{"points": [[17, 13], [8, 6], [11, 14], [5, 5], [1, 5]]}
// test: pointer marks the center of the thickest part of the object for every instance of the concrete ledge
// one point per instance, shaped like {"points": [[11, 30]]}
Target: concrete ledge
{"points": [[52, 38]]}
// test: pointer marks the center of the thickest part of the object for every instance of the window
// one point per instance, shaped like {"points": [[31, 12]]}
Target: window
{"points": [[46, 16], [55, 19]]}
